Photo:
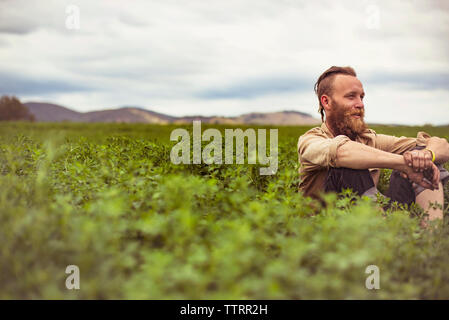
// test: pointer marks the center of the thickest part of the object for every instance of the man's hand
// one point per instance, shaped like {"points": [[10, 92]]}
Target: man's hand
{"points": [[418, 160], [428, 179]]}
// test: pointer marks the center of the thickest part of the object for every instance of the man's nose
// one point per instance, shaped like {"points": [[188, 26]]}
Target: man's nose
{"points": [[359, 104]]}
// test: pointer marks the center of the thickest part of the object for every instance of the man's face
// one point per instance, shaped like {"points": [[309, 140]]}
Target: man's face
{"points": [[347, 109]]}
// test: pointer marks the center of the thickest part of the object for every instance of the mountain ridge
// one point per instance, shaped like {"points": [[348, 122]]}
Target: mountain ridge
{"points": [[50, 112]]}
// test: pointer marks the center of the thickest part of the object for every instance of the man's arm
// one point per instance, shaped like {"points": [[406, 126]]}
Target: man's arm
{"points": [[421, 160], [440, 147], [355, 155]]}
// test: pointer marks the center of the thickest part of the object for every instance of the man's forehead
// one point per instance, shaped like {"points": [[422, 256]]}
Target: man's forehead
{"points": [[343, 82]]}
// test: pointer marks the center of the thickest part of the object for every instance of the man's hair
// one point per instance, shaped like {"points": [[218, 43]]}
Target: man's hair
{"points": [[324, 83]]}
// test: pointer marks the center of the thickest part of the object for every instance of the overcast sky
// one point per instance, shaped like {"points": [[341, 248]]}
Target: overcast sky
{"points": [[226, 57]]}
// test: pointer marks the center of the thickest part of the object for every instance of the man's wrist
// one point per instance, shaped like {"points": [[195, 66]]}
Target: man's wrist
{"points": [[400, 164], [432, 154]]}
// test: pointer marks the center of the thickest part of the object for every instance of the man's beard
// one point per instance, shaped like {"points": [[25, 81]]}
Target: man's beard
{"points": [[342, 122]]}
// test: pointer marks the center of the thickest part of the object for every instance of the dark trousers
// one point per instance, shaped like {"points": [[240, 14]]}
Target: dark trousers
{"points": [[360, 181]]}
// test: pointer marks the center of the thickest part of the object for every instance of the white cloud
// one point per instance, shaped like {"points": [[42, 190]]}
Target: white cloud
{"points": [[163, 54]]}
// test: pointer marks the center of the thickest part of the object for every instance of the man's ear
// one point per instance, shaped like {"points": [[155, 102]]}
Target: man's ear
{"points": [[325, 102]]}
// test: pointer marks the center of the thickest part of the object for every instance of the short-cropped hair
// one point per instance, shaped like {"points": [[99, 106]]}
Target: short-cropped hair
{"points": [[325, 81]]}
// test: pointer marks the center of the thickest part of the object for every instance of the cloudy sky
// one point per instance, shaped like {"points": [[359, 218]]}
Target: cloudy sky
{"points": [[226, 57]]}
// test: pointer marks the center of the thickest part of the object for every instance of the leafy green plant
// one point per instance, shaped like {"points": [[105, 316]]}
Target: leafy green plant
{"points": [[106, 197]]}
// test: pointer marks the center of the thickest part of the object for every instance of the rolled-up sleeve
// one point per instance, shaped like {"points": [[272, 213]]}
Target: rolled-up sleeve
{"points": [[399, 145], [320, 150], [422, 138]]}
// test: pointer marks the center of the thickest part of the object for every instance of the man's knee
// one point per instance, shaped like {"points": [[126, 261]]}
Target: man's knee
{"points": [[432, 201], [345, 178], [400, 189], [404, 191]]}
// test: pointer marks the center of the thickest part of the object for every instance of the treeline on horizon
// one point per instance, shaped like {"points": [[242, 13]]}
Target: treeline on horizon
{"points": [[11, 109]]}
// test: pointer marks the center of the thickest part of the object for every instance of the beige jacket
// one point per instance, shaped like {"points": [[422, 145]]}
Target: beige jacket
{"points": [[317, 150]]}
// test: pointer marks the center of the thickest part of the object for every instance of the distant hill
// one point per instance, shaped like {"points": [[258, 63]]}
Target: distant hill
{"points": [[48, 112], [127, 115], [284, 118]]}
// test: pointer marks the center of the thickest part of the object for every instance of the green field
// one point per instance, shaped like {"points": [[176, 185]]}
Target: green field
{"points": [[106, 198]]}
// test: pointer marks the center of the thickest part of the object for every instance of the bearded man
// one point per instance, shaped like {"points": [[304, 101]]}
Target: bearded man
{"points": [[343, 153]]}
